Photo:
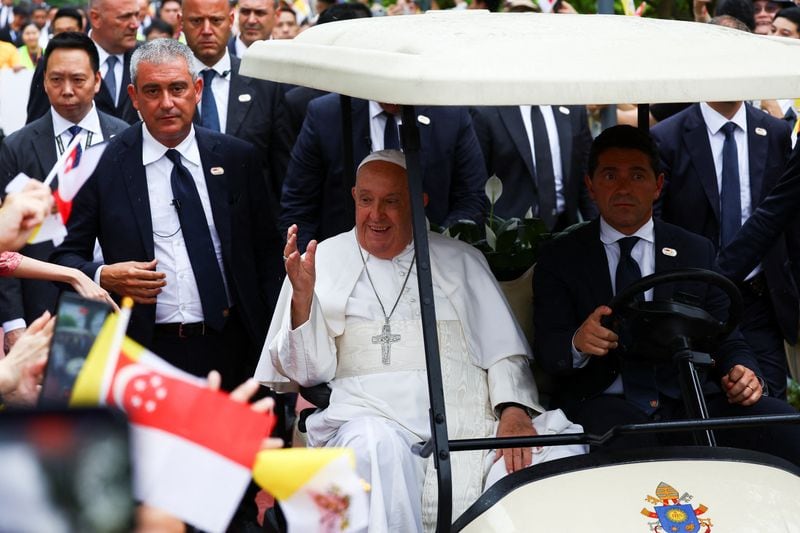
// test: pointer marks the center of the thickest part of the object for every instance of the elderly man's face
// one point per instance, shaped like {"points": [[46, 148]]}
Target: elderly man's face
{"points": [[383, 209], [166, 97], [256, 20], [114, 24], [624, 187], [70, 83]]}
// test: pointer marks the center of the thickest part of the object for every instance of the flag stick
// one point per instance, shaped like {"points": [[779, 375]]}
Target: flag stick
{"points": [[123, 318], [63, 157]]}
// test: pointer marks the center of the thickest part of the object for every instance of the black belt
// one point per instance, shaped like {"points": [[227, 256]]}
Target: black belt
{"points": [[755, 286], [196, 329]]}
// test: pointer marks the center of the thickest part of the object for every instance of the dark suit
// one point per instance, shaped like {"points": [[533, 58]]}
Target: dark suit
{"points": [[572, 279], [16, 39], [505, 146], [32, 150], [690, 199], [317, 199], [232, 46], [38, 104], [114, 206], [254, 115], [296, 101]]}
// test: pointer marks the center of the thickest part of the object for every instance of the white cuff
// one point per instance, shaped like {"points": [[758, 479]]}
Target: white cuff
{"points": [[579, 359], [11, 325], [97, 274]]}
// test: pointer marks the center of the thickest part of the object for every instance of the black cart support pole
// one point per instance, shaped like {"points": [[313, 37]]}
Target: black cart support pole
{"points": [[410, 139]]}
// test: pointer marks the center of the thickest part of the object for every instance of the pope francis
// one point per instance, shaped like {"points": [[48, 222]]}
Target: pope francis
{"points": [[348, 315]]}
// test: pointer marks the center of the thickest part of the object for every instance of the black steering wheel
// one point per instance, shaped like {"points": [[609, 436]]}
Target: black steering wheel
{"points": [[651, 328]]}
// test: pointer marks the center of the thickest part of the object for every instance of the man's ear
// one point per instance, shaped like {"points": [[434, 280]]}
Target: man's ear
{"points": [[353, 193], [659, 185], [587, 180], [132, 95], [198, 90], [98, 82]]}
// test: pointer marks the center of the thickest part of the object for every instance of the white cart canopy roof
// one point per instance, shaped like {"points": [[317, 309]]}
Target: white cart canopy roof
{"points": [[482, 58]]}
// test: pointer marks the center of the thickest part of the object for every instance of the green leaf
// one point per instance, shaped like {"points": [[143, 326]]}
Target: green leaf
{"points": [[491, 238]]}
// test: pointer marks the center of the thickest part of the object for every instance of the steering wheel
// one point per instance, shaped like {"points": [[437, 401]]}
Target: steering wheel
{"points": [[653, 327]]}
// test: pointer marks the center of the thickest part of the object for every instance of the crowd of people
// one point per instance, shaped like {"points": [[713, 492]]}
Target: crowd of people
{"points": [[225, 208]]}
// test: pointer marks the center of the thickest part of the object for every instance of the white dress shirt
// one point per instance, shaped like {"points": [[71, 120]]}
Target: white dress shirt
{"points": [[179, 301], [239, 46], [555, 147], [6, 15], [644, 253], [118, 69], [220, 87], [90, 124], [714, 122], [377, 126]]}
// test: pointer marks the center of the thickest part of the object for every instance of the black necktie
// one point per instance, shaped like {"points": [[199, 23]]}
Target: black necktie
{"points": [[391, 139], [199, 245], [209, 118], [638, 377], [111, 78], [730, 201], [545, 178], [74, 130]]}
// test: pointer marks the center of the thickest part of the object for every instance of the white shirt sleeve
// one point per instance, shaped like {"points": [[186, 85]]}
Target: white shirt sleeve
{"points": [[307, 354], [510, 380], [579, 359], [16, 323]]}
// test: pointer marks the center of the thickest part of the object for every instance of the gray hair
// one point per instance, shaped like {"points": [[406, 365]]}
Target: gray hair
{"points": [[160, 51]]}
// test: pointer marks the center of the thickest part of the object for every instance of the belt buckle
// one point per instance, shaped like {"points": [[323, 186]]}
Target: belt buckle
{"points": [[180, 331]]}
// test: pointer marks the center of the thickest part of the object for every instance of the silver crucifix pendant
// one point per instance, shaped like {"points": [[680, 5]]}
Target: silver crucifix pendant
{"points": [[386, 339]]}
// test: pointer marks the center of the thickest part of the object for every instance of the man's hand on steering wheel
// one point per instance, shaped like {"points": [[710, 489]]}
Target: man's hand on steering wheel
{"points": [[592, 338], [742, 386]]}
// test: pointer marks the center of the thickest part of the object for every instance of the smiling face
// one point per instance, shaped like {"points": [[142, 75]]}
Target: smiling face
{"points": [[764, 12], [383, 209], [166, 97], [624, 187]]}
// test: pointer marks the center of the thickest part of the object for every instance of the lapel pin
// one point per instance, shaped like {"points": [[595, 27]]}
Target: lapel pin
{"points": [[217, 171], [761, 131], [422, 119], [245, 97], [669, 252], [564, 110]]}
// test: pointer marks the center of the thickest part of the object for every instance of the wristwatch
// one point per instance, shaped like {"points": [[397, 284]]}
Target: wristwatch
{"points": [[502, 406]]}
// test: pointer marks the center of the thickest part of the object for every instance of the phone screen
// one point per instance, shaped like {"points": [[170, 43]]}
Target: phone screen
{"points": [[65, 471], [78, 322]]}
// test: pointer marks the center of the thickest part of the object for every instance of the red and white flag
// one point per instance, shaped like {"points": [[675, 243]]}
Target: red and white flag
{"points": [[76, 165], [193, 447]]}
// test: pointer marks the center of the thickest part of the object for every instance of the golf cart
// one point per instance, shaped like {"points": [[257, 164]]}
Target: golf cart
{"points": [[473, 58]]}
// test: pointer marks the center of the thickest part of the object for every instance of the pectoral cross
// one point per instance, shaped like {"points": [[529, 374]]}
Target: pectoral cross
{"points": [[386, 339]]}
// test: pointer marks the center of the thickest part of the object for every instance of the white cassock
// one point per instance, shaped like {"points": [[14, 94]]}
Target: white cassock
{"points": [[379, 410]]}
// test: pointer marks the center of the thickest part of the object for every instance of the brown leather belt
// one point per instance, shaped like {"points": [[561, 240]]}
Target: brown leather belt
{"points": [[196, 329]]}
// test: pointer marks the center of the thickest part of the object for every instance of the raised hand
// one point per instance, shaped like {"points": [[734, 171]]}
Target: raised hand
{"points": [[302, 275]]}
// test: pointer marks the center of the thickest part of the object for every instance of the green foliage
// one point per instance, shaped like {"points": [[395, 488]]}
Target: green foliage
{"points": [[793, 394]]}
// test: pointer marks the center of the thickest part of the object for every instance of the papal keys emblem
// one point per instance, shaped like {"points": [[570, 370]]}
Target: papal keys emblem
{"points": [[674, 513]]}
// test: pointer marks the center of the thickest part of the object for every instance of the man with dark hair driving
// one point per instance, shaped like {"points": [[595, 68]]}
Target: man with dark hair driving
{"points": [[578, 275]]}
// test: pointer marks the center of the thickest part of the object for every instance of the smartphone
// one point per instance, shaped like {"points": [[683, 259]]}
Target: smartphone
{"points": [[78, 322], [64, 471]]}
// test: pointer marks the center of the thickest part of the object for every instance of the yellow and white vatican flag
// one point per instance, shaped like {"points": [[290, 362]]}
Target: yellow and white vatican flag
{"points": [[193, 448], [318, 488]]}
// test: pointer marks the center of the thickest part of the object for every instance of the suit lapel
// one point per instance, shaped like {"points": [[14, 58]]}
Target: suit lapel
{"points": [[135, 179], [564, 127], [512, 119], [757, 147], [595, 263], [664, 240], [696, 144], [237, 108], [218, 190], [44, 144]]}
